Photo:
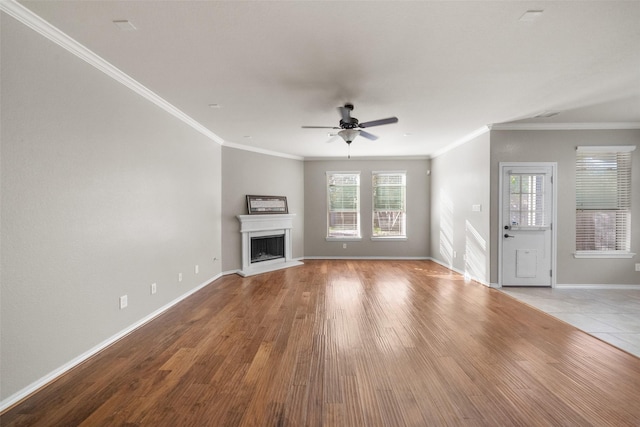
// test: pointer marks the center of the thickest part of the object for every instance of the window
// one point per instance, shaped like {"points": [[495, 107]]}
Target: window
{"points": [[343, 201], [389, 204], [603, 201], [526, 200]]}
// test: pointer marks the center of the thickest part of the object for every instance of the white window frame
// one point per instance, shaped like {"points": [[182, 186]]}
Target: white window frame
{"points": [[609, 150], [394, 237], [358, 232]]}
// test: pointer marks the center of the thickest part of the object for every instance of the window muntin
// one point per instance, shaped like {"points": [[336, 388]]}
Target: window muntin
{"points": [[343, 204], [603, 199], [389, 204]]}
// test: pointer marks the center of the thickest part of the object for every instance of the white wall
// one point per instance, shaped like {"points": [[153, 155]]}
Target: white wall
{"points": [[417, 243], [102, 194], [460, 235], [246, 172], [560, 146]]}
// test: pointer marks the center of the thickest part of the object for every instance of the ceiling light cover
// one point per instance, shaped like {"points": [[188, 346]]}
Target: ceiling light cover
{"points": [[349, 134]]}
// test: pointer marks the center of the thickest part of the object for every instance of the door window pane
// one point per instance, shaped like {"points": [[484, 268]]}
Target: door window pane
{"points": [[526, 200]]}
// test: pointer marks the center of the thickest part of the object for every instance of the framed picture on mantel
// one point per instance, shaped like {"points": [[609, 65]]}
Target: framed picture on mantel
{"points": [[267, 205]]}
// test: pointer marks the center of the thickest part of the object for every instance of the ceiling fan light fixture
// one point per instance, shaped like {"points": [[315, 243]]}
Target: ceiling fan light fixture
{"points": [[350, 126], [349, 134]]}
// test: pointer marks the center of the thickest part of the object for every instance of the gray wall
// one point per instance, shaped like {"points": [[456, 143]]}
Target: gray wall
{"points": [[560, 147], [102, 194], [417, 243], [460, 235], [245, 172]]}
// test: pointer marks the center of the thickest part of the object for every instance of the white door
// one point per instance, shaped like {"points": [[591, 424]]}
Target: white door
{"points": [[526, 234]]}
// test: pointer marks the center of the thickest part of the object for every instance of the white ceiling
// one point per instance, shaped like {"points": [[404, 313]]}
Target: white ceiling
{"points": [[444, 68]]}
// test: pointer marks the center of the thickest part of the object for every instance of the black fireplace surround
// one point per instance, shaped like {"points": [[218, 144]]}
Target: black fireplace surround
{"points": [[266, 248]]}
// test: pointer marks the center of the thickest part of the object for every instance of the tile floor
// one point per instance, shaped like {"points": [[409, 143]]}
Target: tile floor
{"points": [[610, 314]]}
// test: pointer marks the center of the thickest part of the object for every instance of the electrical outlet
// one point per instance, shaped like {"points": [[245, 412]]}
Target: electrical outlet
{"points": [[197, 269], [638, 266], [455, 254], [344, 246], [123, 302], [179, 277], [153, 288]]}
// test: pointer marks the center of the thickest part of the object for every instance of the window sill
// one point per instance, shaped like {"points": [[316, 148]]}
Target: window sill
{"points": [[603, 254], [389, 239], [343, 239]]}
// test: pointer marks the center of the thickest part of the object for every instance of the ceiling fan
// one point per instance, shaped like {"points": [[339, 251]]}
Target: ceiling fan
{"points": [[351, 128]]}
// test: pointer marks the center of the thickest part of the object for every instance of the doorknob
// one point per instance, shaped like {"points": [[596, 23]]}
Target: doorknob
{"points": [[506, 236]]}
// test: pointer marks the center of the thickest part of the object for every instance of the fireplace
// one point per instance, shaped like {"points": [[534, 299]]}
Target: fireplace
{"points": [[267, 248], [266, 243]]}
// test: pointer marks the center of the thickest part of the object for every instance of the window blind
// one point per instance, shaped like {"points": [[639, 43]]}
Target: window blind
{"points": [[343, 201], [389, 204], [603, 199]]}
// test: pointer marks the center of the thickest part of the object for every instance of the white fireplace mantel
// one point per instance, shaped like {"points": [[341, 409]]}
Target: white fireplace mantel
{"points": [[262, 225]]}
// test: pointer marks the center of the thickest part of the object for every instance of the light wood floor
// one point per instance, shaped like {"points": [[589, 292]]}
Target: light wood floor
{"points": [[347, 343]]}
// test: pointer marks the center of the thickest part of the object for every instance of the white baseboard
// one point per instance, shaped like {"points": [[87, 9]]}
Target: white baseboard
{"points": [[228, 272], [390, 258], [36, 385], [475, 279], [463, 273], [596, 286], [239, 271], [450, 267]]}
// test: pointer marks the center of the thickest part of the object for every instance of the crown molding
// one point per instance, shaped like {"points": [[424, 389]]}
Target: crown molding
{"points": [[468, 137], [366, 158], [261, 151], [39, 25], [566, 126]]}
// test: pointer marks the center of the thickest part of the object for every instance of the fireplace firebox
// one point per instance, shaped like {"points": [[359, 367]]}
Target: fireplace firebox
{"points": [[266, 248]]}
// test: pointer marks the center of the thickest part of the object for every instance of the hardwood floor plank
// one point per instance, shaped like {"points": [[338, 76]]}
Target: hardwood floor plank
{"points": [[346, 343]]}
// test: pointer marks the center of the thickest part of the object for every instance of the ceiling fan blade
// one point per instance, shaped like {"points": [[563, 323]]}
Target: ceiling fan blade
{"points": [[345, 113], [333, 137], [386, 121], [320, 127], [368, 135]]}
